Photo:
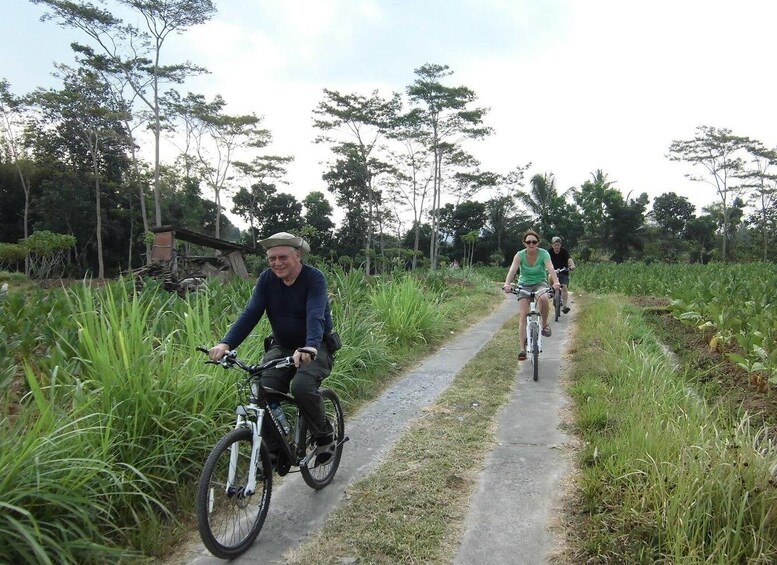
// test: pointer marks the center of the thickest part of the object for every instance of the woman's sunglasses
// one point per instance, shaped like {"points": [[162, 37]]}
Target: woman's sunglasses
{"points": [[530, 241]]}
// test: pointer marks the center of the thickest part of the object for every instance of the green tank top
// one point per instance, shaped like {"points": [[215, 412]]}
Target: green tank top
{"points": [[533, 274]]}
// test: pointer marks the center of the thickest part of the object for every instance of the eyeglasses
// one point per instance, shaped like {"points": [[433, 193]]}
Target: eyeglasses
{"points": [[530, 241]]}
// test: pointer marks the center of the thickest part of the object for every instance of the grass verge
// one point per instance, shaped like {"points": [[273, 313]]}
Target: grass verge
{"points": [[412, 509], [666, 476]]}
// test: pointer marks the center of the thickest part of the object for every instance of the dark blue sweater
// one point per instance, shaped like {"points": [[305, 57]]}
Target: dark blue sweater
{"points": [[299, 314]]}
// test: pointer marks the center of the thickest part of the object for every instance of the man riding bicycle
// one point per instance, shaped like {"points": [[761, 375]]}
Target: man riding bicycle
{"points": [[294, 297], [561, 259], [535, 267]]}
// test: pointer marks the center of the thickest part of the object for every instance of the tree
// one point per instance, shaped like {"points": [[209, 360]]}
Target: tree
{"points": [[283, 212], [457, 221], [218, 137], [138, 52], [409, 186], [263, 170], [447, 118], [318, 217], [728, 229], [545, 203], [672, 212], [85, 106], [760, 176], [592, 198], [717, 152], [628, 219], [700, 232], [357, 123], [470, 239], [12, 118]]}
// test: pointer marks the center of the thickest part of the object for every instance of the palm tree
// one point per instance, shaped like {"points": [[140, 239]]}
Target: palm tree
{"points": [[544, 202]]}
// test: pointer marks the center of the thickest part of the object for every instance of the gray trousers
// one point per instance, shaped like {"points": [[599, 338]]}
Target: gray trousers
{"points": [[303, 383]]}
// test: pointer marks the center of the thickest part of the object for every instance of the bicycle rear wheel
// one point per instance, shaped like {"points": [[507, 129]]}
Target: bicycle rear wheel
{"points": [[228, 517], [557, 303], [535, 350], [318, 476]]}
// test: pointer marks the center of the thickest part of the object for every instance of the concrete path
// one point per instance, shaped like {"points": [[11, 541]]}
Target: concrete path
{"points": [[511, 513], [521, 472]]}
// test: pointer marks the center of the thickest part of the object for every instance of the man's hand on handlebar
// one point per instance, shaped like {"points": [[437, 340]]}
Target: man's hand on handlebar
{"points": [[304, 355], [218, 351]]}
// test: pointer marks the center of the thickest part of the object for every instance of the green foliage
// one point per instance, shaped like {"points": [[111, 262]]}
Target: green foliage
{"points": [[46, 243], [107, 382], [734, 302], [665, 477], [11, 253], [407, 312]]}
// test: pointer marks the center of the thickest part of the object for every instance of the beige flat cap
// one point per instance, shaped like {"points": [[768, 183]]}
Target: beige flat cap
{"points": [[285, 239]]}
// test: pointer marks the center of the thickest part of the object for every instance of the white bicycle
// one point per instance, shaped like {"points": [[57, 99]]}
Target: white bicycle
{"points": [[533, 324]]}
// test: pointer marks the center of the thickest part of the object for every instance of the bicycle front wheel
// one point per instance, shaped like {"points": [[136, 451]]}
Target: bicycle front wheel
{"points": [[535, 350], [228, 516], [318, 476], [557, 303]]}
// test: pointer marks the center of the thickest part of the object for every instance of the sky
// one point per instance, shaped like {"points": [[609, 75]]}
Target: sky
{"points": [[571, 86]]}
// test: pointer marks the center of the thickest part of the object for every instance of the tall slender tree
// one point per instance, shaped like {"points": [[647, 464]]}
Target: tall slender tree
{"points": [[760, 177], [449, 119], [358, 123], [138, 52], [86, 108], [12, 119], [719, 154]]}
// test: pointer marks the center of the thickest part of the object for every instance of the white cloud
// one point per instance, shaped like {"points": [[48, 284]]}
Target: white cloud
{"points": [[572, 86]]}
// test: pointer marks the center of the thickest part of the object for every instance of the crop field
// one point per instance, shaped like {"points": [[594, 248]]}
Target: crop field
{"points": [[735, 303]]}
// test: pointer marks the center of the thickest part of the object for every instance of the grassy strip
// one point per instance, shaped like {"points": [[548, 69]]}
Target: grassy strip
{"points": [[412, 509], [665, 476]]}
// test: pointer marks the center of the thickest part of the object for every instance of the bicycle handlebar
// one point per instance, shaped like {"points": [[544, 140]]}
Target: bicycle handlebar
{"points": [[563, 270], [521, 292], [230, 358]]}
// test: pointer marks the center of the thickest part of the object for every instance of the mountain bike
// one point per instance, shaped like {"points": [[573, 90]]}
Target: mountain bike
{"points": [[235, 486], [557, 296], [533, 325]]}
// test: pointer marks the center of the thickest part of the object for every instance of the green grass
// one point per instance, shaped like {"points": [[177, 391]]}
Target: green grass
{"points": [[665, 476], [108, 412]]}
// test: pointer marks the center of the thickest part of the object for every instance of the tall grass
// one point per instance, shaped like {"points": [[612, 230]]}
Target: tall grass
{"points": [[408, 314], [666, 478], [113, 411]]}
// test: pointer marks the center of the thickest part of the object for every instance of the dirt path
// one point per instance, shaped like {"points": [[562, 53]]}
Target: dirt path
{"points": [[297, 512]]}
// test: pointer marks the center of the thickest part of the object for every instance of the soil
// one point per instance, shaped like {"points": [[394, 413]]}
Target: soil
{"points": [[719, 376]]}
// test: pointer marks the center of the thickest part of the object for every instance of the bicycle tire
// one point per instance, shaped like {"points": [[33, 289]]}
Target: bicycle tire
{"points": [[229, 522], [318, 476], [557, 304], [535, 351]]}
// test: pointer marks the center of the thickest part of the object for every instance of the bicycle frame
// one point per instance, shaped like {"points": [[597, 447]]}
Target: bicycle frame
{"points": [[533, 320]]}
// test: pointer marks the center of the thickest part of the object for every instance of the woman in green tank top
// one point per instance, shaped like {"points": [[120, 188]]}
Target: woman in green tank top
{"points": [[535, 268]]}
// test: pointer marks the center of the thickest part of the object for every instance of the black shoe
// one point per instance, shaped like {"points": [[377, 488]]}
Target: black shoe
{"points": [[325, 449], [565, 309]]}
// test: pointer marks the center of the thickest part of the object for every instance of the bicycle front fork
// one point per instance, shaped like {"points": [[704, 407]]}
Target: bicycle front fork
{"points": [[256, 445]]}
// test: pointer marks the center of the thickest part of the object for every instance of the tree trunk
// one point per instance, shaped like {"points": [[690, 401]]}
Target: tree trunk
{"points": [[98, 210]]}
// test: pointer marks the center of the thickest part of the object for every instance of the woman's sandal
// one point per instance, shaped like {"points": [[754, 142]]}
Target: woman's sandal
{"points": [[522, 356]]}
